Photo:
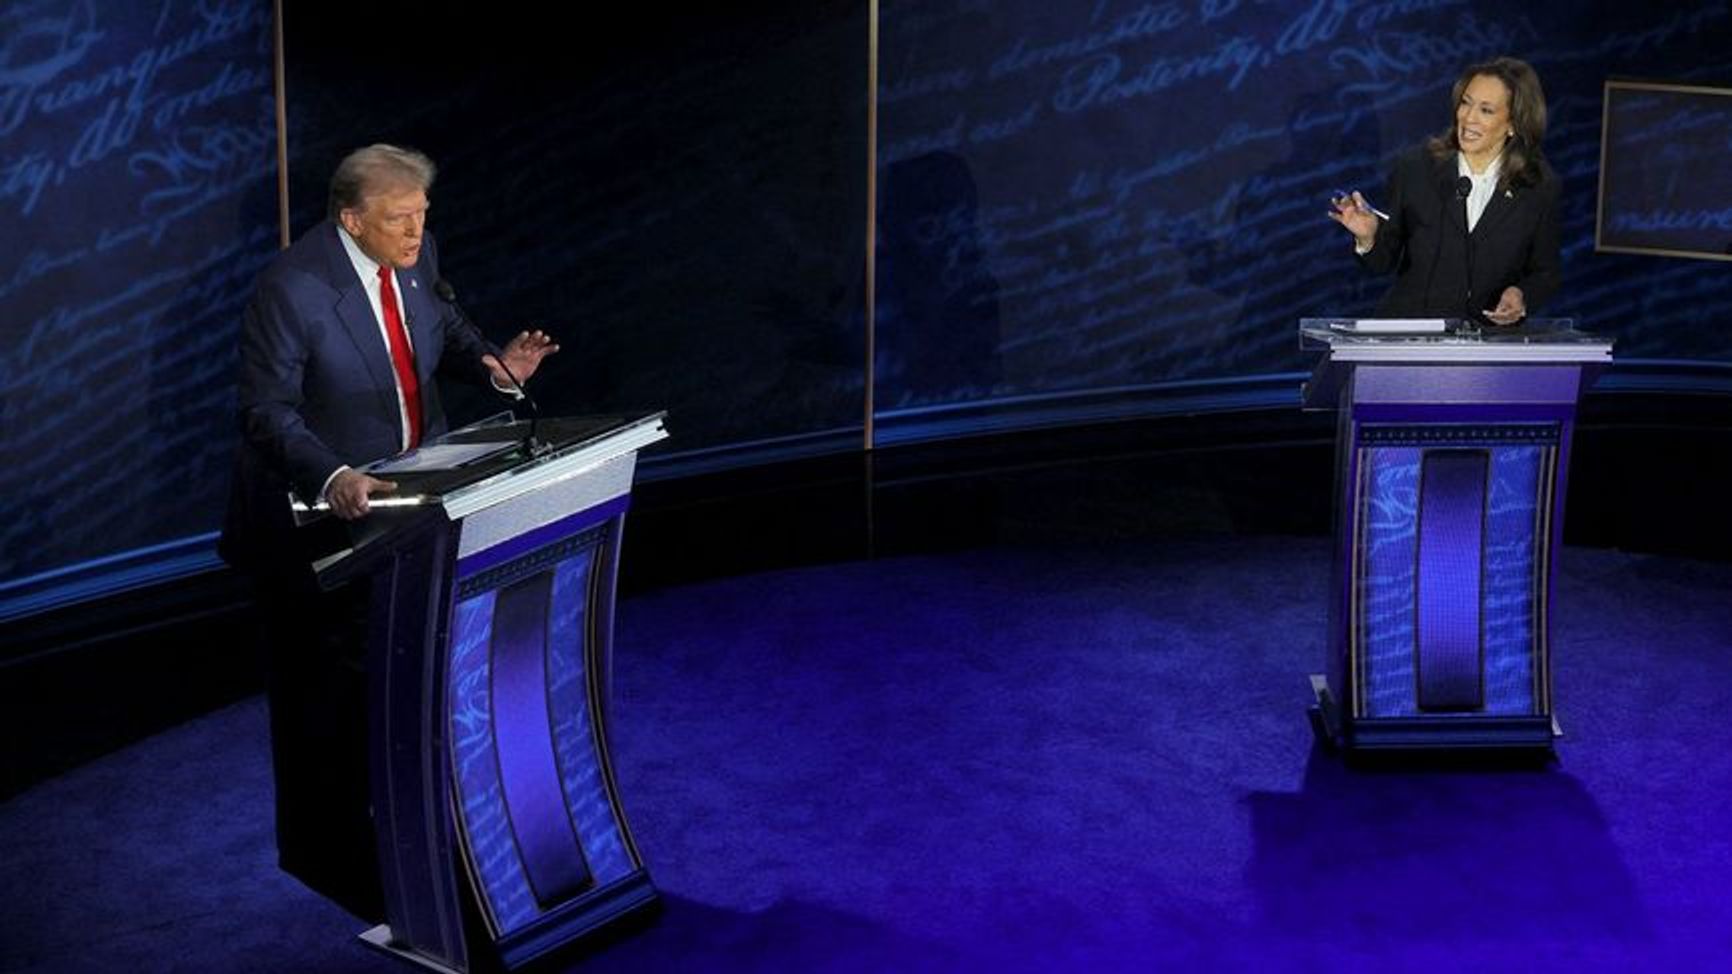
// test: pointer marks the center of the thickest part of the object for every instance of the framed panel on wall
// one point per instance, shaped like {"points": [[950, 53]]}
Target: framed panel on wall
{"points": [[1665, 188]]}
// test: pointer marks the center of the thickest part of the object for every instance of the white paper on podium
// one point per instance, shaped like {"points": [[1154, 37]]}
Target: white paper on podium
{"points": [[1392, 326], [439, 456]]}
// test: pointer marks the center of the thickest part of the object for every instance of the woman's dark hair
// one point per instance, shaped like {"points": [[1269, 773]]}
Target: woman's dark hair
{"points": [[1522, 154]]}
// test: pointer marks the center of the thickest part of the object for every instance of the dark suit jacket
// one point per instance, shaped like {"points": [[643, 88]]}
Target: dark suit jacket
{"points": [[316, 385], [1424, 242]]}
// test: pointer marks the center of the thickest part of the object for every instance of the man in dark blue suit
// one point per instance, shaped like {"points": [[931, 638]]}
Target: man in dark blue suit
{"points": [[319, 391], [339, 352]]}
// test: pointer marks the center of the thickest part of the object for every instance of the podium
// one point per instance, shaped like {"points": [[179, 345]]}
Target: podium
{"points": [[1452, 450], [500, 831]]}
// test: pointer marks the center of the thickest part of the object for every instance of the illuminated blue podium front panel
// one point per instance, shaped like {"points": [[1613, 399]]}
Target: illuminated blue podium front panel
{"points": [[541, 833], [501, 834], [1451, 458]]}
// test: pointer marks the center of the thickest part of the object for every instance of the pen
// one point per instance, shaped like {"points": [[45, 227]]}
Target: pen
{"points": [[1365, 206]]}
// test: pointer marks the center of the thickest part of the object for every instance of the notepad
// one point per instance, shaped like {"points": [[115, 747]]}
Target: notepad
{"points": [[440, 456], [1392, 326]]}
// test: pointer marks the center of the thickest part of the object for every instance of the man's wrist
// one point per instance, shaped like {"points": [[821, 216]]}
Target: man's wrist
{"points": [[325, 491]]}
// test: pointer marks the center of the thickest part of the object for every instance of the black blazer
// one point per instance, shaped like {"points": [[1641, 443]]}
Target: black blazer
{"points": [[1424, 241]]}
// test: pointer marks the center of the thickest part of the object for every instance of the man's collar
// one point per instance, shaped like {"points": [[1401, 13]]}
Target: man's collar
{"points": [[365, 266]]}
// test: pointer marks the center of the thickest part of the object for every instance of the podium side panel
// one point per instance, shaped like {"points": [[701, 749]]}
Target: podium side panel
{"points": [[1338, 671], [411, 781]]}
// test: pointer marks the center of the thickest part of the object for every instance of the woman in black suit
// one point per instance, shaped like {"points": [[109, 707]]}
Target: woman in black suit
{"points": [[1472, 227]]}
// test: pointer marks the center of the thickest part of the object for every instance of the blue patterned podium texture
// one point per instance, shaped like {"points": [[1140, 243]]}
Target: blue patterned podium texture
{"points": [[538, 824], [1511, 554], [1452, 456]]}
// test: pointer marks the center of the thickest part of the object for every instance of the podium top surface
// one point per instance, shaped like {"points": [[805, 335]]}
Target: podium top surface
{"points": [[1535, 340], [489, 462], [466, 471]]}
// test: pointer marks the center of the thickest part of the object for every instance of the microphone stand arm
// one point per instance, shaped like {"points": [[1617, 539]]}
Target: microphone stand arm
{"points": [[531, 443]]}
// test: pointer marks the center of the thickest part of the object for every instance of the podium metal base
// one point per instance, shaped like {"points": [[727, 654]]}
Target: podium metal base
{"points": [[559, 930], [379, 938], [577, 919], [1423, 733], [1325, 720]]}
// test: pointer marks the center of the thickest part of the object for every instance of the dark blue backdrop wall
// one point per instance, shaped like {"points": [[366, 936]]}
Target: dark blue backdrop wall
{"points": [[1112, 194], [1076, 203], [679, 195], [137, 196]]}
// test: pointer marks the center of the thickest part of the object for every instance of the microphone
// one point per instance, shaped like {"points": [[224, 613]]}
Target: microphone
{"points": [[448, 294], [1464, 189]]}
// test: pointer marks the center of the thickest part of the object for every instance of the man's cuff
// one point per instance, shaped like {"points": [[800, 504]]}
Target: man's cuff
{"points": [[327, 486], [508, 390]]}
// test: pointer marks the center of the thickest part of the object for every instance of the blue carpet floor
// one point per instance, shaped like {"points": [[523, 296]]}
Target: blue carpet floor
{"points": [[1031, 759]]}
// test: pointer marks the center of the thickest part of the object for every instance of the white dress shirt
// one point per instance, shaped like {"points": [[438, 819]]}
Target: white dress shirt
{"points": [[367, 269], [1484, 186]]}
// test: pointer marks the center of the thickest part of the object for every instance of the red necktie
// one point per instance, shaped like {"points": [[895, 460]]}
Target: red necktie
{"points": [[402, 359]]}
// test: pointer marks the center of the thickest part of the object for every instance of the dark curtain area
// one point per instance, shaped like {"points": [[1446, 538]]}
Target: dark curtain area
{"points": [[677, 192]]}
